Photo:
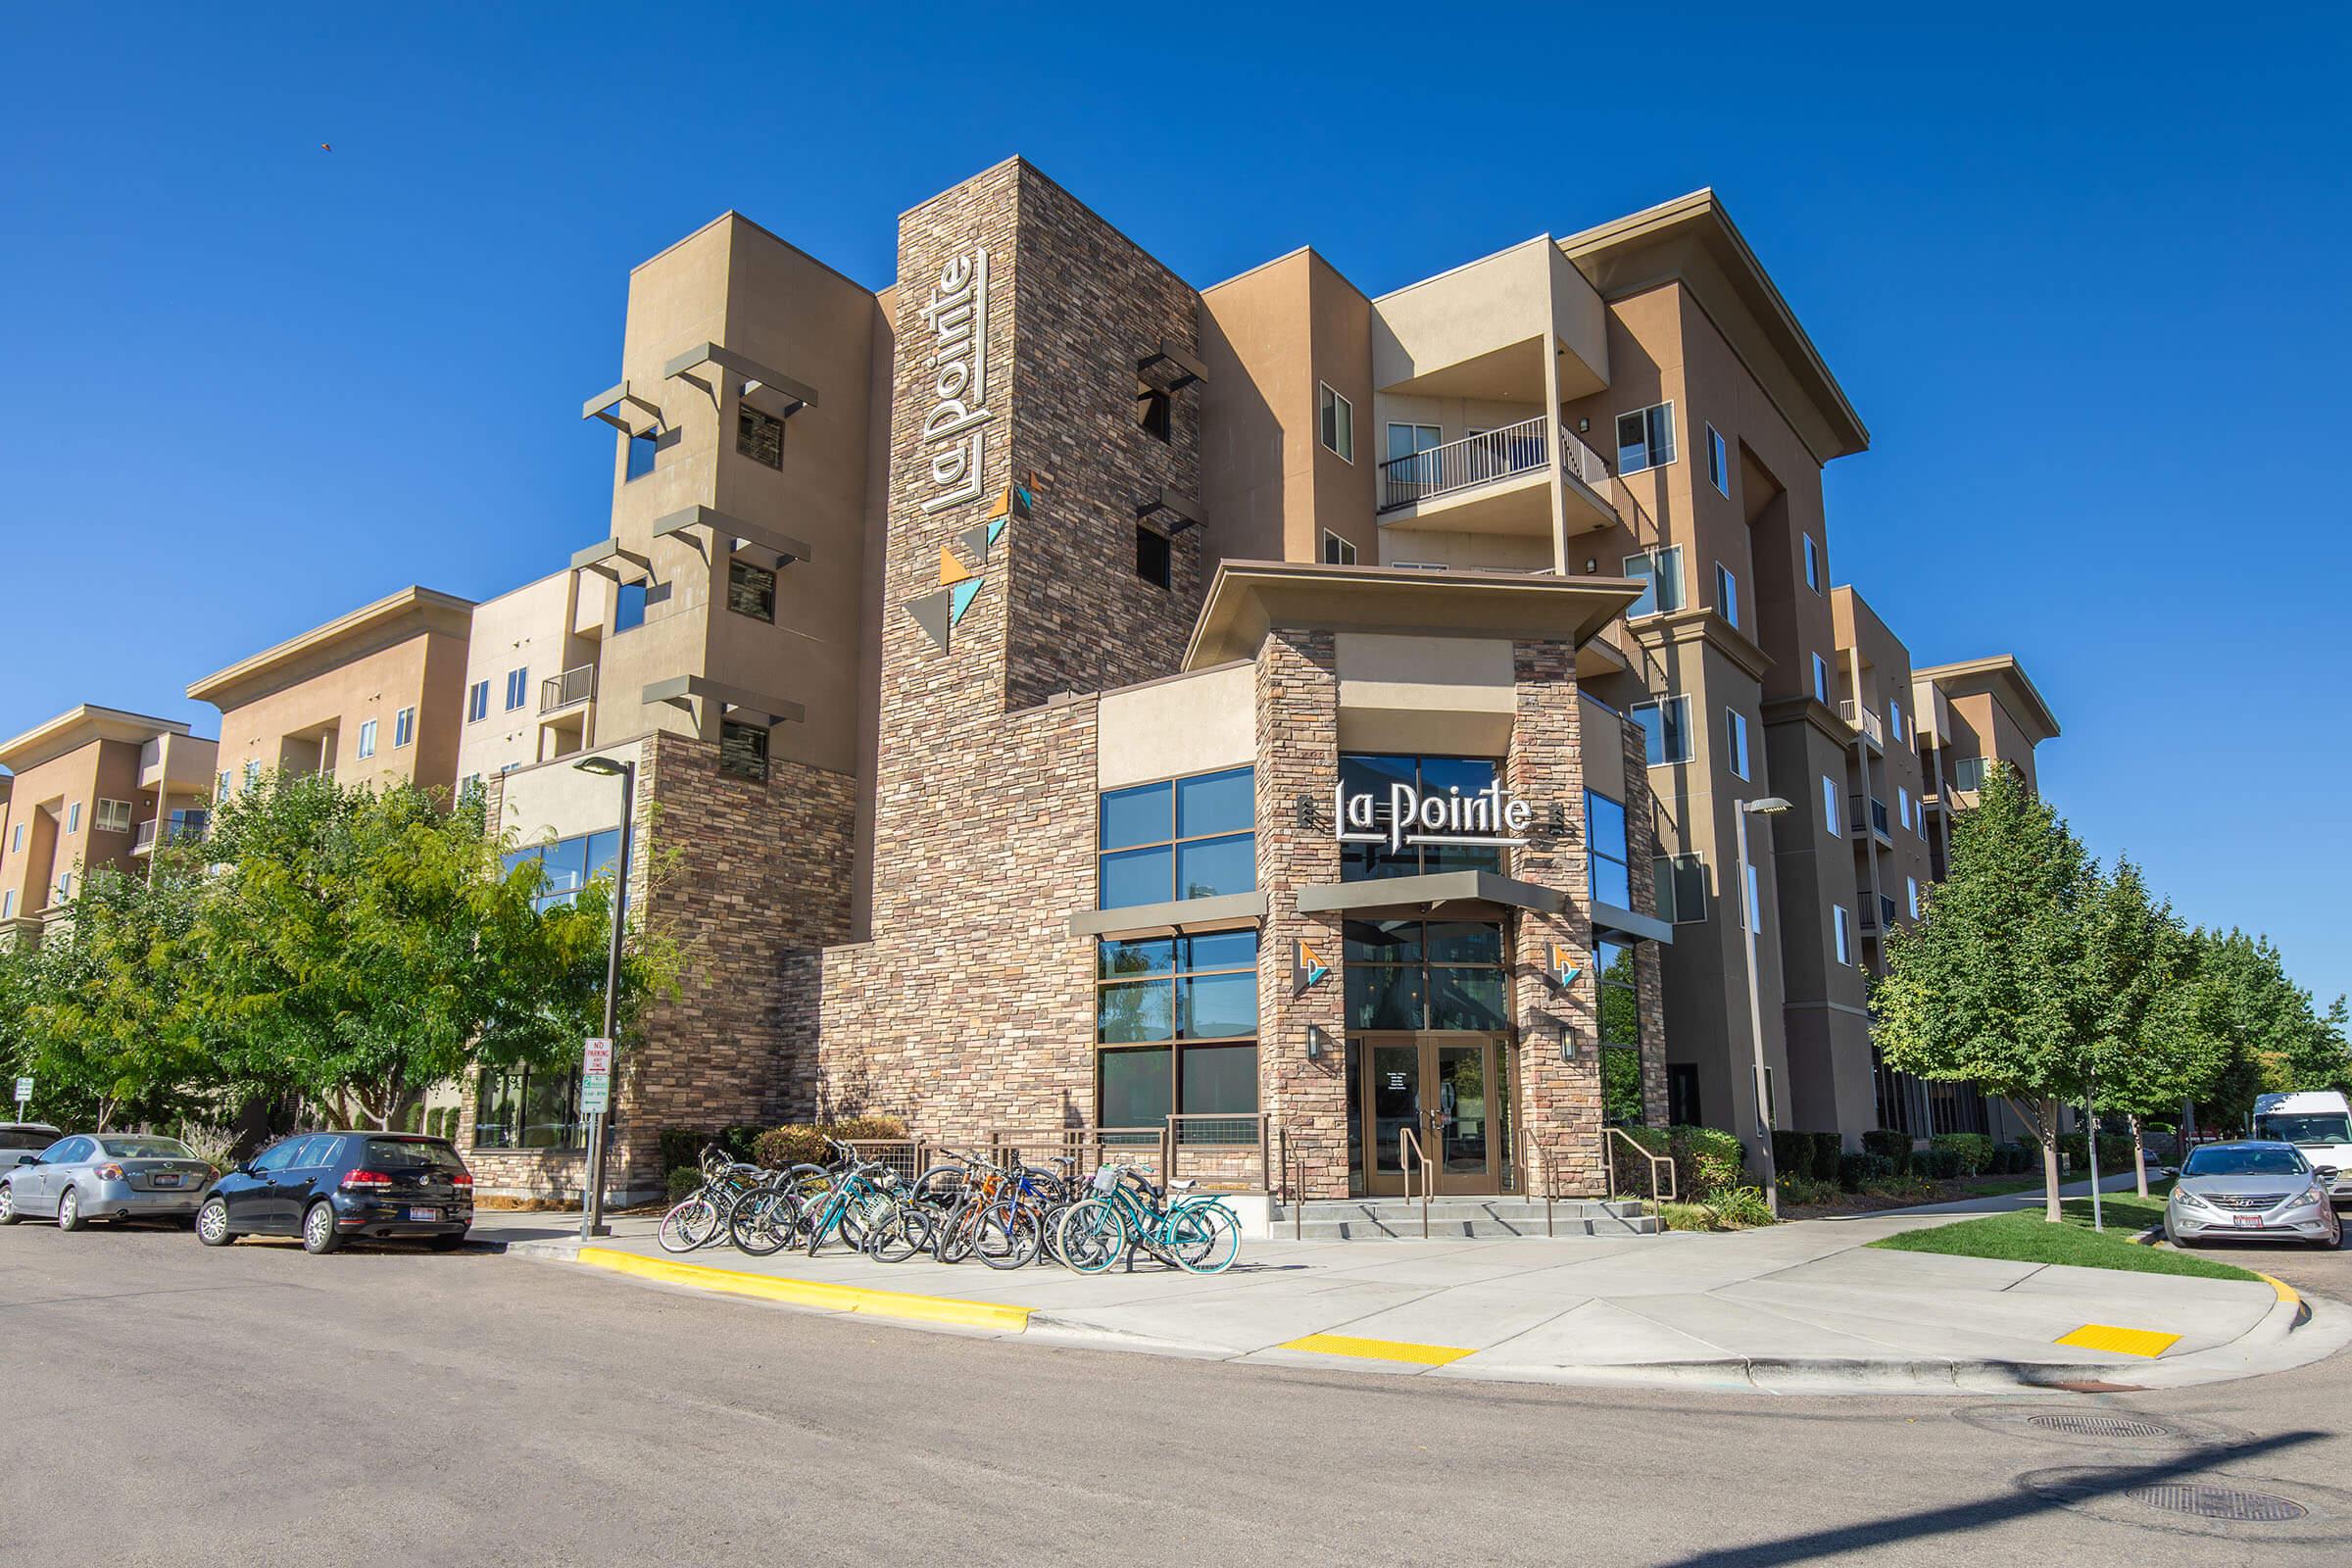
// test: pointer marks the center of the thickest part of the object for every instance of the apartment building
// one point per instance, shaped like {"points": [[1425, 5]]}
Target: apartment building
{"points": [[92, 787], [530, 674], [373, 697]]}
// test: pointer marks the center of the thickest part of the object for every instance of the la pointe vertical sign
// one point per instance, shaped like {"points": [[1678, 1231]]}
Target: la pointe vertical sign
{"points": [[956, 430]]}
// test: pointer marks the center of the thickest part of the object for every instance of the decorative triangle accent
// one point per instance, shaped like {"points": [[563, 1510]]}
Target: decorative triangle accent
{"points": [[951, 570], [1003, 507], [964, 593], [996, 530], [977, 540], [931, 613]]}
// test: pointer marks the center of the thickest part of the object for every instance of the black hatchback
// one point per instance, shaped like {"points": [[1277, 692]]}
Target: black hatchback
{"points": [[325, 1187]]}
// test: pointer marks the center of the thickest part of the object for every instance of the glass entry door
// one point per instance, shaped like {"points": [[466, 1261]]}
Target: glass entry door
{"points": [[1446, 1090]]}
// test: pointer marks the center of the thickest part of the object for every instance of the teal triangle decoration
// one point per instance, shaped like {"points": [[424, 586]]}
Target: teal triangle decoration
{"points": [[996, 531], [1317, 972], [931, 613], [1020, 500], [965, 593]]}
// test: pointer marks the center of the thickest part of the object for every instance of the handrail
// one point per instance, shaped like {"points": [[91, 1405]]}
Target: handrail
{"points": [[574, 685], [1475, 459], [1407, 1139], [1661, 1191]]}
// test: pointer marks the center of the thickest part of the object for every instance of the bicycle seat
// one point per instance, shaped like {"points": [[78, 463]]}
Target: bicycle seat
{"points": [[1184, 1186]]}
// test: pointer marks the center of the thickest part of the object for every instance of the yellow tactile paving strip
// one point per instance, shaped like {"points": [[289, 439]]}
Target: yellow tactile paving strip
{"points": [[2124, 1342], [1379, 1350]]}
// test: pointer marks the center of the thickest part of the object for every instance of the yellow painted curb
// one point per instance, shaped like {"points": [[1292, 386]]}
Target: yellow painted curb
{"points": [[2145, 1343], [1377, 1350], [812, 1292], [2287, 1293]]}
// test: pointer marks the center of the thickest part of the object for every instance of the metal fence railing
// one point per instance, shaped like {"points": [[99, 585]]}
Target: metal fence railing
{"points": [[575, 685]]}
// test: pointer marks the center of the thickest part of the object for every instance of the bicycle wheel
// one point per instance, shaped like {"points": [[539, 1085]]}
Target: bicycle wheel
{"points": [[952, 1238], [690, 1223], [762, 1223], [1091, 1235], [1008, 1235], [1203, 1238], [895, 1237]]}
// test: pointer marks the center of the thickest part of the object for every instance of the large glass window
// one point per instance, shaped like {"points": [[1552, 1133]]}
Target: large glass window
{"points": [[1646, 438], [1425, 974], [570, 864], [751, 590], [1665, 728], [1968, 772], [1177, 1017], [642, 449], [1620, 1032], [1661, 570], [530, 1110], [1182, 838], [628, 606], [759, 436], [1365, 773], [1336, 418], [1605, 839], [743, 750]]}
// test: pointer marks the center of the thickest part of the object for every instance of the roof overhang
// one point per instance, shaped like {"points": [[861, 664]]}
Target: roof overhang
{"points": [[1249, 598], [682, 692], [737, 532], [394, 619], [75, 728], [1171, 918], [760, 385], [1463, 893], [2004, 679], [1692, 241]]}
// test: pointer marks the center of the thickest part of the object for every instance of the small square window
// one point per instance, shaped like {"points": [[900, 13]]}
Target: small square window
{"points": [[1646, 438], [112, 817], [629, 600], [478, 701], [743, 750], [751, 590], [518, 685], [1666, 729], [1153, 562], [1336, 422], [366, 737], [640, 456], [1155, 409], [1662, 570], [759, 436], [1338, 551], [1719, 465]]}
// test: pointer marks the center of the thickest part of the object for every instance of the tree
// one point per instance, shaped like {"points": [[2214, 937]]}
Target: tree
{"points": [[368, 945], [2275, 1038], [2149, 1037], [1987, 986]]}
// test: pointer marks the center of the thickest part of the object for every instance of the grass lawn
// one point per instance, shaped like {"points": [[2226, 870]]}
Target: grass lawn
{"points": [[2025, 1237]]}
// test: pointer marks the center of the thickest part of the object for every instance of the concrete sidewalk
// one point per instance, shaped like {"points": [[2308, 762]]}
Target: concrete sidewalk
{"points": [[1802, 1306]]}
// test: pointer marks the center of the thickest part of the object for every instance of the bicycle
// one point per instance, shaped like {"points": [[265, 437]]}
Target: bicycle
{"points": [[1124, 1213], [702, 1216]]}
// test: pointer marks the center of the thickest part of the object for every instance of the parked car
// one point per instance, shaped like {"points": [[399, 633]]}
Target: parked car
{"points": [[327, 1186], [24, 1138], [99, 1176], [2317, 1121], [2249, 1189]]}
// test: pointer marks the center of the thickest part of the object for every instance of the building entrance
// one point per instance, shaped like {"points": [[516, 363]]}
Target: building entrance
{"points": [[1449, 1090]]}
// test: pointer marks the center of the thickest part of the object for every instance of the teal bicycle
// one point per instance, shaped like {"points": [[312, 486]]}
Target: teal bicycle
{"points": [[1123, 1214]]}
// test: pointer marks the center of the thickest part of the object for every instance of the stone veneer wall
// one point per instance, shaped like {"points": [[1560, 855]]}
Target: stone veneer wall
{"points": [[1649, 964]]}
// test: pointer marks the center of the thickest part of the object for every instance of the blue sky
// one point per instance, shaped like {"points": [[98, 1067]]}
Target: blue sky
{"points": [[2084, 279]]}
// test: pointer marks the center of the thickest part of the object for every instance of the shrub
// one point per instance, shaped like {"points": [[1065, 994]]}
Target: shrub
{"points": [[1707, 1160], [1687, 1216], [682, 1148], [740, 1141], [1858, 1171], [1740, 1207], [1911, 1186], [1973, 1151], [1791, 1152], [1806, 1192], [2018, 1159], [1936, 1164], [684, 1180], [1890, 1145], [804, 1142], [1828, 1149]]}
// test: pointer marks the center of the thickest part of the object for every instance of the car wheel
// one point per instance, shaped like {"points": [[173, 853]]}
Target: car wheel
{"points": [[2171, 1235], [447, 1243], [319, 1233], [69, 1211], [212, 1224], [8, 1205]]}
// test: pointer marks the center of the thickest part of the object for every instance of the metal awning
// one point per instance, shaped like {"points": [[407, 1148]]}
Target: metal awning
{"points": [[606, 558], [1172, 917], [761, 385], [1185, 369], [1183, 511], [682, 692], [1609, 921], [624, 411], [742, 532], [1467, 893]]}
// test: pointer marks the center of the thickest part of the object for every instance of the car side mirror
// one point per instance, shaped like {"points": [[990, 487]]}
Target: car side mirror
{"points": [[28, 1159]]}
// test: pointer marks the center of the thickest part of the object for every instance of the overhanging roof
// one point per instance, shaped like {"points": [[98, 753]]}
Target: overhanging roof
{"points": [[2001, 677], [1693, 239], [1248, 598], [77, 727], [409, 612]]}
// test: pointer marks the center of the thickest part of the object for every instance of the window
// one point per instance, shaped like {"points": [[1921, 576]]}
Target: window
{"points": [[1646, 438], [1829, 806], [1607, 855], [1902, 806], [366, 737], [252, 773], [1155, 409], [1894, 718], [628, 606], [1154, 561], [1434, 974], [1620, 1032], [1338, 551], [1376, 776], [1912, 883], [518, 687], [640, 456], [7, 905], [1665, 728], [1845, 934], [1821, 680], [743, 750], [1662, 570], [530, 1110], [751, 590], [1968, 772], [65, 887], [1411, 440], [1681, 881], [1719, 465], [1812, 564], [569, 864], [1177, 1017], [1726, 593], [1336, 421], [469, 789], [1735, 742], [1682, 1095], [403, 727], [15, 839], [219, 789], [478, 701], [73, 817], [1182, 838], [111, 817], [759, 436]]}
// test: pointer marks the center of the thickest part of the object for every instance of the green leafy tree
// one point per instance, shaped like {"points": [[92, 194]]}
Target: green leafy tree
{"points": [[2150, 1038], [1989, 986], [2275, 1038]]}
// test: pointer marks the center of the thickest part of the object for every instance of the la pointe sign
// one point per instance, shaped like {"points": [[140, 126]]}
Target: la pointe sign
{"points": [[1409, 815]]}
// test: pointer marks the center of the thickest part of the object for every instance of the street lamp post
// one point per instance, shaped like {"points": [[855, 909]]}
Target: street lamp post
{"points": [[592, 1202], [1769, 805]]}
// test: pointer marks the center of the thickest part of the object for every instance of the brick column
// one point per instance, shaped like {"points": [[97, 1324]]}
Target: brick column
{"points": [[1649, 977], [1559, 1101], [1299, 754]]}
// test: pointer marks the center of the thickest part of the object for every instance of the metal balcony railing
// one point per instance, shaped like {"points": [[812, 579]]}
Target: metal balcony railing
{"points": [[1884, 920], [1863, 721], [574, 686], [1878, 816], [178, 830], [1482, 459]]}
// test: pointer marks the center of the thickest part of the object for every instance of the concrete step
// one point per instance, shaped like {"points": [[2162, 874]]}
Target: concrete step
{"points": [[1335, 1220]]}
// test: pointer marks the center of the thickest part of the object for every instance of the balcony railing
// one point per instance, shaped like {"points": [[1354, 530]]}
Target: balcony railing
{"points": [[1884, 918], [178, 830], [569, 688], [1482, 459], [1878, 816], [1863, 721]]}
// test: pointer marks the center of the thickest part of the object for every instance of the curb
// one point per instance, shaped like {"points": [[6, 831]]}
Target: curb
{"points": [[2288, 1313], [900, 1304]]}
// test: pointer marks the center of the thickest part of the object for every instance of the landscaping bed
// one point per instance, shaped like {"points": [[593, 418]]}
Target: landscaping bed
{"points": [[2025, 1237]]}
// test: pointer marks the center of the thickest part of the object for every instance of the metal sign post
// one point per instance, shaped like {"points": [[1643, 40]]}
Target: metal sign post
{"points": [[24, 1095], [596, 1099]]}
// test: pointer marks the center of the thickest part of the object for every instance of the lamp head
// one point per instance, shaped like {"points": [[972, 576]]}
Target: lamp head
{"points": [[603, 766], [1769, 805]]}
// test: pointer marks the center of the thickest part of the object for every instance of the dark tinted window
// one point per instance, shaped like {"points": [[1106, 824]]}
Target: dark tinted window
{"points": [[2245, 1161], [26, 1138], [278, 1156], [402, 1153], [146, 1148], [66, 1150]]}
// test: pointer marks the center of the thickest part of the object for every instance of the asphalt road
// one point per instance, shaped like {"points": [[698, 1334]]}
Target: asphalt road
{"points": [[168, 1404]]}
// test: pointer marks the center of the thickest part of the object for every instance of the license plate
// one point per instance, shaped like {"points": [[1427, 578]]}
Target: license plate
{"points": [[169, 1178], [2252, 1222], [425, 1214]]}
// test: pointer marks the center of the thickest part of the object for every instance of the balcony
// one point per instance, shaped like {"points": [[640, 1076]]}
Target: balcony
{"points": [[574, 687], [188, 829], [1863, 722], [1498, 481], [1884, 918], [1879, 828]]}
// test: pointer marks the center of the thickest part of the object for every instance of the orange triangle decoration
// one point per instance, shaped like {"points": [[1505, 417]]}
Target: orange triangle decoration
{"points": [[951, 570]]}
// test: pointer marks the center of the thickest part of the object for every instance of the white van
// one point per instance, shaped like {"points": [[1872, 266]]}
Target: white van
{"points": [[2319, 1122]]}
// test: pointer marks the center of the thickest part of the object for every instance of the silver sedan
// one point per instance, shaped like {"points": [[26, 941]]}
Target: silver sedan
{"points": [[94, 1176], [2257, 1189]]}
